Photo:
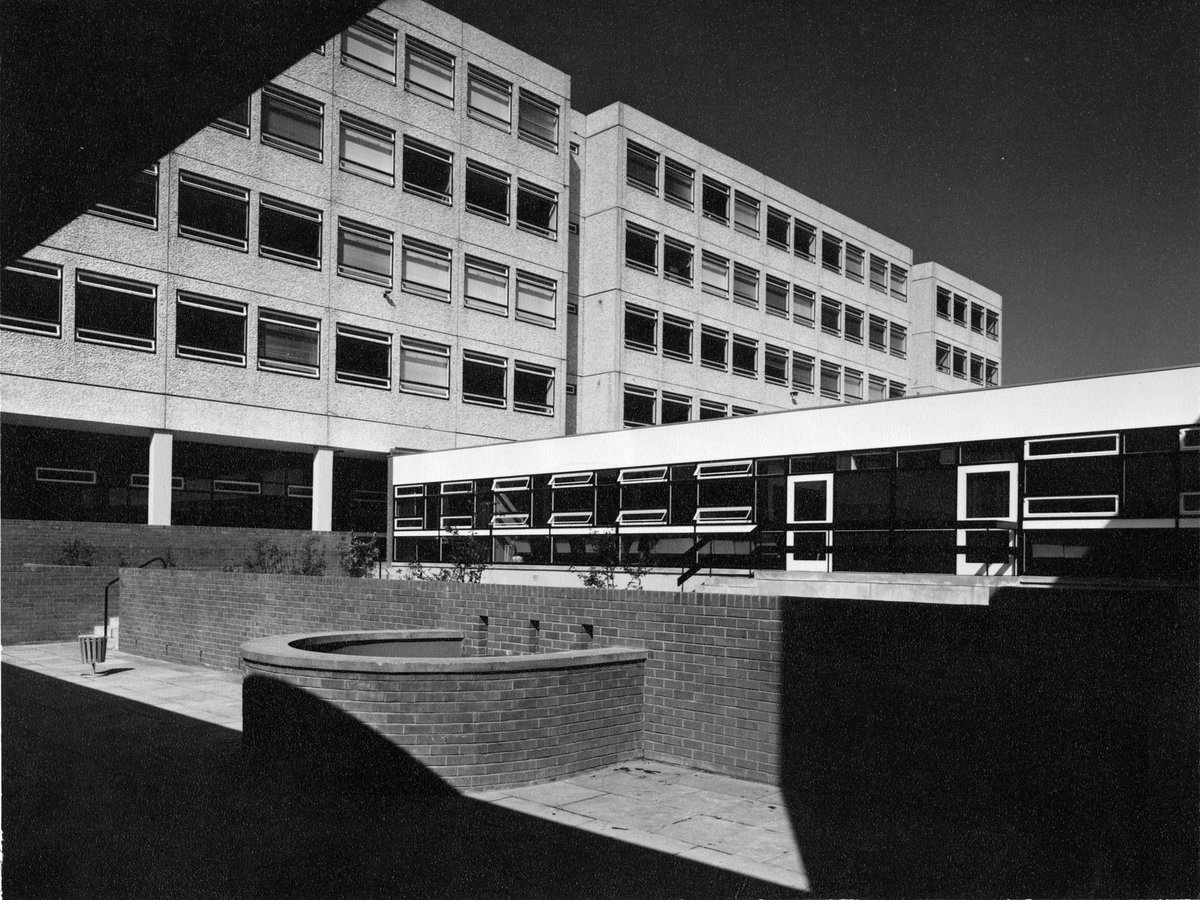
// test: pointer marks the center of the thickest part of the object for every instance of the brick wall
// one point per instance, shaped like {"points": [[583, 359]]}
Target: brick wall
{"points": [[492, 728], [53, 603], [193, 547], [712, 672]]}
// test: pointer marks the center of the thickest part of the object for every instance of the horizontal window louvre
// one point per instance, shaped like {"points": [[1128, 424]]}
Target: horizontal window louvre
{"points": [[510, 520], [221, 486], [457, 487], [65, 476], [571, 479], [734, 469], [1088, 445], [1105, 505], [722, 514], [571, 518], [510, 484], [642, 517], [638, 476]]}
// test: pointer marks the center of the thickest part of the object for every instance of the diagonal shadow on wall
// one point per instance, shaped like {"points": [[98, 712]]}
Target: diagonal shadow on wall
{"points": [[107, 797], [1044, 745]]}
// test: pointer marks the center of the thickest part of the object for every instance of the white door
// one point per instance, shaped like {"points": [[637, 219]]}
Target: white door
{"points": [[987, 496], [810, 515]]}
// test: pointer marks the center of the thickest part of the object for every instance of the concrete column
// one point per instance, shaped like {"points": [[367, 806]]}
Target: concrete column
{"points": [[162, 445], [322, 494]]}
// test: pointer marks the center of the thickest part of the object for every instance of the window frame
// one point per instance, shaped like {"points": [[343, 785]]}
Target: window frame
{"points": [[854, 254], [897, 340], [710, 185], [800, 227], [837, 244], [898, 281], [803, 297], [941, 357], [34, 268], [435, 58], [477, 264], [535, 282], [475, 357], [297, 211], [746, 345], [128, 216], [709, 263], [475, 74], [234, 126], [367, 232], [429, 152], [352, 123], [643, 316], [419, 249], [773, 352], [848, 376], [829, 368], [674, 245], [496, 177], [549, 230], [852, 314], [743, 275], [641, 233], [676, 402], [366, 335], [680, 325], [829, 304], [743, 205], [877, 324], [296, 101], [102, 281], [530, 135], [534, 370], [648, 160], [644, 393], [298, 323], [383, 32], [712, 333], [219, 306], [682, 174], [429, 349], [239, 195]]}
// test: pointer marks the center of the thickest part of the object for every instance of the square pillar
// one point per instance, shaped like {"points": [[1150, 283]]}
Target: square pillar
{"points": [[322, 493], [162, 445]]}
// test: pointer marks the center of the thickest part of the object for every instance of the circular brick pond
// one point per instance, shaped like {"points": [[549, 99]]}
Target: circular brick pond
{"points": [[474, 721]]}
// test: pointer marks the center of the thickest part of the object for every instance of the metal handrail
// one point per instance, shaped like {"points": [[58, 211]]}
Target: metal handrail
{"points": [[118, 578]]}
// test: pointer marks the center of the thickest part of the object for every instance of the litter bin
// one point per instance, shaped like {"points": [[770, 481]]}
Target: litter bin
{"points": [[92, 649]]}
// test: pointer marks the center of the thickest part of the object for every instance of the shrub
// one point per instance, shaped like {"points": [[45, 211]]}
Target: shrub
{"points": [[267, 558], [360, 556], [468, 559]]}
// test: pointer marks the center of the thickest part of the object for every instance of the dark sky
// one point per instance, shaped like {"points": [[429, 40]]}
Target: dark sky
{"points": [[1050, 151]]}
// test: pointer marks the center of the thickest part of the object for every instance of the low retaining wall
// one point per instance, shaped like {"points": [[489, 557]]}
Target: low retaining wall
{"points": [[53, 603], [478, 722]]}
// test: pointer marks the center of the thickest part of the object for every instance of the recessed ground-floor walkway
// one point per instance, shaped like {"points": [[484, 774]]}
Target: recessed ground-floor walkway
{"points": [[130, 783]]}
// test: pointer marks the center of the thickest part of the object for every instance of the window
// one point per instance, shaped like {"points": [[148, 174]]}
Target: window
{"points": [[777, 297], [942, 357], [536, 298], [678, 184], [31, 297], [484, 379], [213, 211], [1083, 445], [854, 325], [898, 344], [428, 72], [489, 98], [641, 167], [714, 344], [877, 333], [802, 372], [831, 316], [424, 368], [487, 191], [852, 384], [991, 373], [779, 225], [959, 357], [573, 226], [804, 306], [293, 122], [428, 170], [899, 282], [895, 390], [537, 121], [570, 480], [135, 201], [641, 328], [804, 237], [854, 263], [641, 248], [289, 344], [737, 412], [831, 252], [715, 200], [367, 149], [571, 388], [677, 260], [775, 365], [364, 253], [960, 310], [879, 274], [639, 406], [831, 381], [209, 329], [745, 285], [676, 338], [363, 357], [370, 46], [114, 311], [745, 356], [876, 388], [993, 325], [425, 269], [236, 120], [714, 274], [533, 389], [537, 209], [485, 285], [943, 303], [745, 214], [676, 408], [976, 369], [977, 318], [711, 409], [289, 232]]}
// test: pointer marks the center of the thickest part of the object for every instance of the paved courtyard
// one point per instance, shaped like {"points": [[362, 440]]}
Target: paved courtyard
{"points": [[705, 834]]}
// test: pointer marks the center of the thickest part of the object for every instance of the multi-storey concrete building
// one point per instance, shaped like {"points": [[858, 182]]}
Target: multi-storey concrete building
{"points": [[369, 254]]}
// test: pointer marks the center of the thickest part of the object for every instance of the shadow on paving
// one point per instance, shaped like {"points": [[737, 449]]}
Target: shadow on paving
{"points": [[1044, 745], [105, 797]]}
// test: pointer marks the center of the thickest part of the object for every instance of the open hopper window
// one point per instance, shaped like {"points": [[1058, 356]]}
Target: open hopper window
{"points": [[571, 480], [642, 517], [736, 469], [723, 515]]}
